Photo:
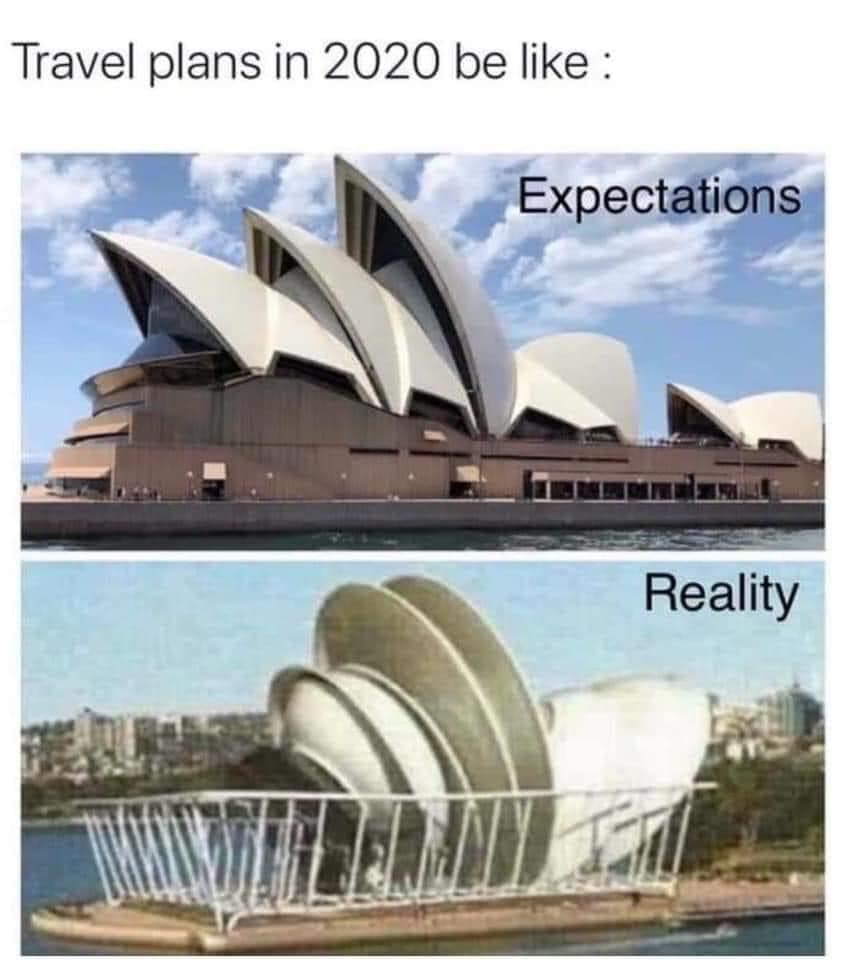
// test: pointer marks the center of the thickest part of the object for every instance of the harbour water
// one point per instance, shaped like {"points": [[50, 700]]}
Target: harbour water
{"points": [[57, 866], [689, 538]]}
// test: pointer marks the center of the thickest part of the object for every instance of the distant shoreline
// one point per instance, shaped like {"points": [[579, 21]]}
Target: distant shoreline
{"points": [[44, 823]]}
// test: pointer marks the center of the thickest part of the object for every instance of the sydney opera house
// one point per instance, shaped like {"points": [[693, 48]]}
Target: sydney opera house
{"points": [[411, 763], [376, 368]]}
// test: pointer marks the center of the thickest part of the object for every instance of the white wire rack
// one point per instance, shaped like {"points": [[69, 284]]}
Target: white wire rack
{"points": [[246, 853]]}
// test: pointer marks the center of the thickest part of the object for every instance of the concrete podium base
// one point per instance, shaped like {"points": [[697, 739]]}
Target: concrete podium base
{"points": [[53, 519]]}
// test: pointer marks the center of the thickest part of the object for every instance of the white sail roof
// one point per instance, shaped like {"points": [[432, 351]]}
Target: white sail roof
{"points": [[348, 303], [421, 366], [351, 293], [608, 736], [479, 347], [596, 367], [252, 321], [293, 332], [790, 416], [540, 390], [716, 410], [228, 301]]}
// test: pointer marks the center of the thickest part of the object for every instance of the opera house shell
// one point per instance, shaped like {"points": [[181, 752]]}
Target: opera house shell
{"points": [[780, 420], [412, 692], [377, 368]]}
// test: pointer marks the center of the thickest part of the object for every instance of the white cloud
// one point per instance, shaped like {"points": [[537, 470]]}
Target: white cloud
{"points": [[663, 261], [199, 229], [513, 230], [57, 191], [74, 256], [451, 185], [392, 169], [38, 281], [305, 192], [801, 262], [224, 178], [447, 186], [748, 314], [550, 269], [804, 170], [553, 272]]}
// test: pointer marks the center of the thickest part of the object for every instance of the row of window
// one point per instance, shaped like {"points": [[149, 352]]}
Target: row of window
{"points": [[617, 490]]}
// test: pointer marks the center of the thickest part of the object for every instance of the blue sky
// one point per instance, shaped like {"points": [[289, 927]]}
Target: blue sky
{"points": [[200, 636], [733, 305]]}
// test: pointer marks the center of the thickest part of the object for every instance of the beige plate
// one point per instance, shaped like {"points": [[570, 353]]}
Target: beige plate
{"points": [[503, 685], [373, 627], [454, 775], [376, 628]]}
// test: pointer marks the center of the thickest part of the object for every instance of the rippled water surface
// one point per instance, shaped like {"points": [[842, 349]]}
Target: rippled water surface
{"points": [[689, 538]]}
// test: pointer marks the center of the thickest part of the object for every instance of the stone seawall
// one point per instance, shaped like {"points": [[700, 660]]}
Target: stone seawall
{"points": [[83, 520]]}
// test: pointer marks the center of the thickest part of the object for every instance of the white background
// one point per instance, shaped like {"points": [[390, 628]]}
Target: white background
{"points": [[726, 76]]}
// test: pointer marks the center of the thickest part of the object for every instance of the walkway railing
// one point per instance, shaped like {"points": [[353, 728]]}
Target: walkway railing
{"points": [[246, 853]]}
